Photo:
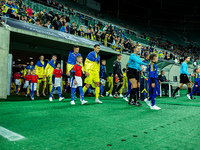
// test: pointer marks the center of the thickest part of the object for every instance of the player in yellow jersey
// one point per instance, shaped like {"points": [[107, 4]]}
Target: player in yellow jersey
{"points": [[21, 79], [125, 82], [49, 71], [92, 69], [110, 85], [40, 67]]}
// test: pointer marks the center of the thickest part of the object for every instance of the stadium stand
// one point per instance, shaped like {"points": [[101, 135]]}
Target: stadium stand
{"points": [[54, 15]]}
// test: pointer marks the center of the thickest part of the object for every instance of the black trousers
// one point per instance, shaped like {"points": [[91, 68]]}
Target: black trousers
{"points": [[166, 87]]}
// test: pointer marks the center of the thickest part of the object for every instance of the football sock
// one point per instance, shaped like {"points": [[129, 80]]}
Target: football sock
{"points": [[59, 91], [73, 90], [81, 92], [97, 92], [52, 91]]}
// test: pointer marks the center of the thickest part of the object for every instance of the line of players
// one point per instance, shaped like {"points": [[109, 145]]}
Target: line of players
{"points": [[95, 74]]}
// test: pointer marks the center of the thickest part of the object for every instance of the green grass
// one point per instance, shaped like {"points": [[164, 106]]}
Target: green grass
{"points": [[58, 125]]}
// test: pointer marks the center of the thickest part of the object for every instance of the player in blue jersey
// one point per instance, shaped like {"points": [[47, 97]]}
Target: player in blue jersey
{"points": [[196, 86], [154, 89], [72, 59], [103, 77]]}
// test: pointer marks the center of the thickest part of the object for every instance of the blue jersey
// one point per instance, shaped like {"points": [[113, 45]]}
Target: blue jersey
{"points": [[135, 62], [184, 68], [72, 58], [197, 82], [103, 72], [153, 74], [145, 61], [197, 79], [30, 67]]}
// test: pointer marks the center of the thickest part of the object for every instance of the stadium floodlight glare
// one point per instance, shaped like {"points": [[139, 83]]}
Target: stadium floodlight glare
{"points": [[19, 59], [30, 57]]}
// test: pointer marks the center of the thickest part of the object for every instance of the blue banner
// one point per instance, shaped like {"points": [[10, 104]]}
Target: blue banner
{"points": [[50, 32]]}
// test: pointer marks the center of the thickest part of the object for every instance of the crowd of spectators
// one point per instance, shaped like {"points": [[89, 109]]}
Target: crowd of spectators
{"points": [[176, 49], [106, 34]]}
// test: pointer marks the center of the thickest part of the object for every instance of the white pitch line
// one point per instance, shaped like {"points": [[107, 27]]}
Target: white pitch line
{"points": [[11, 136]]}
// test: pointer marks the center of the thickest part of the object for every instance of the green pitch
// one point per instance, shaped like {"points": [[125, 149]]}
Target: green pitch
{"points": [[111, 125]]}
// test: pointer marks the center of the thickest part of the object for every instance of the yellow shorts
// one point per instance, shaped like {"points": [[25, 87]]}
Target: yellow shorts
{"points": [[92, 78]]}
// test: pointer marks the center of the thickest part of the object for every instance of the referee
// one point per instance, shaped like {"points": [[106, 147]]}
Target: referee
{"points": [[184, 77], [133, 73], [117, 73]]}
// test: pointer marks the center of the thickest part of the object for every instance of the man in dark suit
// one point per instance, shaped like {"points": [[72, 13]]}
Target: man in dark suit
{"points": [[162, 78]]}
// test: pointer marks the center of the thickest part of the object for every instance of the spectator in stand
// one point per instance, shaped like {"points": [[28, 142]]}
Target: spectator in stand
{"points": [[2, 3], [90, 27], [105, 28], [100, 24], [160, 54], [103, 36], [109, 41], [22, 18], [56, 14], [37, 22], [117, 46], [112, 29], [59, 22], [41, 17], [119, 34], [105, 40], [86, 21], [45, 16], [65, 28], [14, 7], [95, 28], [127, 45], [7, 8], [73, 28], [59, 16], [98, 36], [22, 10], [156, 52], [171, 55], [32, 19], [63, 16], [51, 12], [49, 26], [87, 33], [167, 57], [92, 34], [119, 39], [55, 23], [29, 11], [121, 45], [49, 17], [67, 18], [14, 15], [81, 32]]}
